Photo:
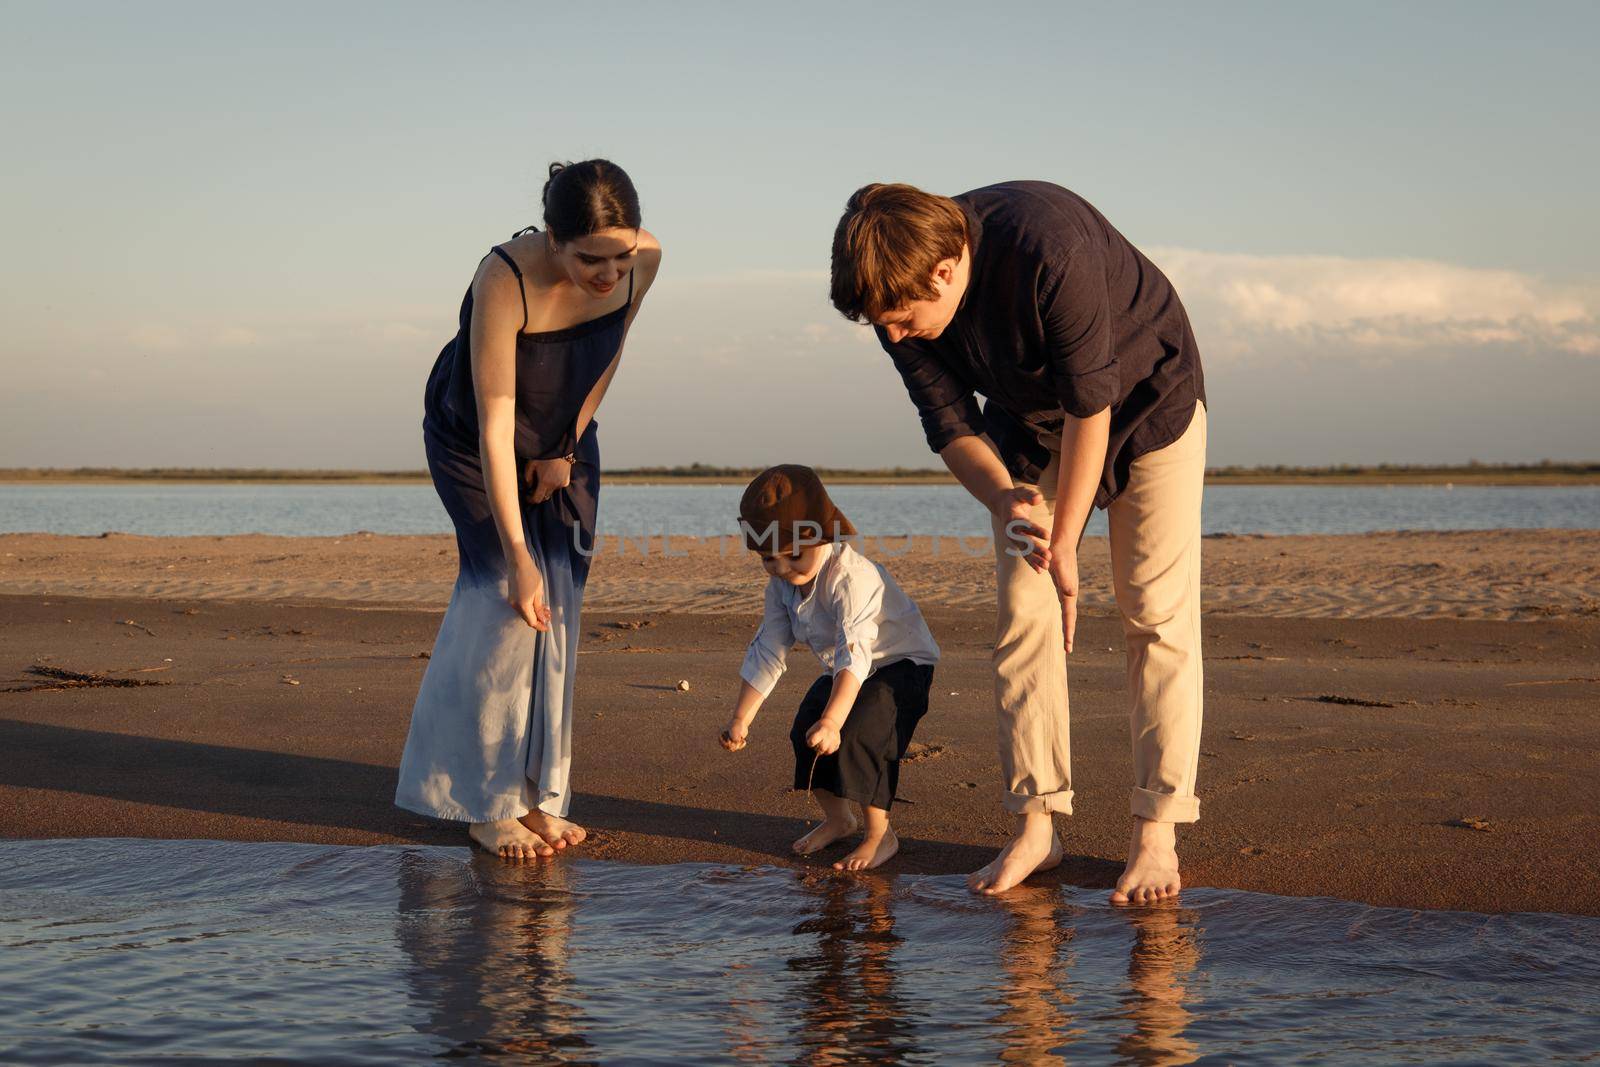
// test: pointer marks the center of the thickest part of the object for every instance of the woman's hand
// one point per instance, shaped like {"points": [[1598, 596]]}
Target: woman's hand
{"points": [[525, 592], [1024, 537], [824, 737], [735, 734], [1064, 572], [544, 477]]}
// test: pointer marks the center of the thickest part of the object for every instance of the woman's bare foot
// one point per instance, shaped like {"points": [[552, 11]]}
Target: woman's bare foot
{"points": [[1035, 848], [509, 839], [1152, 871], [825, 833], [873, 850], [558, 831]]}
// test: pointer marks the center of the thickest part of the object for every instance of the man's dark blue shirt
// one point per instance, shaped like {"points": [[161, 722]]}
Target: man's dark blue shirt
{"points": [[1061, 314]]}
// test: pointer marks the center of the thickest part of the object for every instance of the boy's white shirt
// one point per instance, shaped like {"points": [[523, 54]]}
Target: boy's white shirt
{"points": [[855, 618]]}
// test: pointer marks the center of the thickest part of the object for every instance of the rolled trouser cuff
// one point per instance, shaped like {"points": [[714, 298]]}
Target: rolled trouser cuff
{"points": [[1024, 804], [1165, 807]]}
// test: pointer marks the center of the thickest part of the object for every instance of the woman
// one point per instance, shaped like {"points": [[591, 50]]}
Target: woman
{"points": [[541, 334]]}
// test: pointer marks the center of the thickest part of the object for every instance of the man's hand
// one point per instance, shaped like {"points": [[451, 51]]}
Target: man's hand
{"points": [[1064, 572], [824, 737], [735, 734], [544, 477], [1024, 537]]}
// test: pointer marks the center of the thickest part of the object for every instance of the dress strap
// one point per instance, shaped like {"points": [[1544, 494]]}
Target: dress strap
{"points": [[522, 286], [630, 286]]}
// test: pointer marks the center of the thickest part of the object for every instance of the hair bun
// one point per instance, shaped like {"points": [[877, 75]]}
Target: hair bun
{"points": [[555, 168], [586, 197]]}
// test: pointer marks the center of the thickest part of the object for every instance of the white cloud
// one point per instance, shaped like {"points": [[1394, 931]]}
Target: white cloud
{"points": [[1247, 304], [237, 337]]}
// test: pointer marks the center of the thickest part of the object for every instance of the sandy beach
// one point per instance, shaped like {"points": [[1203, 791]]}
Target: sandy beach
{"points": [[1399, 719], [1497, 574]]}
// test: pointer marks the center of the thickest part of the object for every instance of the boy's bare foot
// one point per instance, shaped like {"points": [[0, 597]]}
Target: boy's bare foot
{"points": [[509, 839], [870, 853], [558, 831], [1152, 871], [824, 834], [1035, 848]]}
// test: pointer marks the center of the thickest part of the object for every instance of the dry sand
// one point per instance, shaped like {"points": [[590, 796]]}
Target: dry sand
{"points": [[1500, 574], [1375, 749]]}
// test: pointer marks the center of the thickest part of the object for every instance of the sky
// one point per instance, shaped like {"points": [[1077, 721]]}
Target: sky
{"points": [[238, 235]]}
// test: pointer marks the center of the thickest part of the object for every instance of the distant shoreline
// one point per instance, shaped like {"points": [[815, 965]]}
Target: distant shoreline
{"points": [[1481, 474]]}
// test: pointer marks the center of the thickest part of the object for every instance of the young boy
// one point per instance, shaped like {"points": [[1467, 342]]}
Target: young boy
{"points": [[856, 720]]}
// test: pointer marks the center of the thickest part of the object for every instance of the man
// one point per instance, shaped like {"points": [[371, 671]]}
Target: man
{"points": [[1023, 292]]}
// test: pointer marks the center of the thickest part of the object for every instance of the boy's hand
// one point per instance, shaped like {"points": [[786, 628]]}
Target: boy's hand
{"points": [[824, 737], [734, 735]]}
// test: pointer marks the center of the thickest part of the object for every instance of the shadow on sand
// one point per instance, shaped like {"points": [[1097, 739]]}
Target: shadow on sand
{"points": [[315, 791]]}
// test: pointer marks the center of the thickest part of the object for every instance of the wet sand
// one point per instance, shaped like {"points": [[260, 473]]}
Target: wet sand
{"points": [[1426, 762]]}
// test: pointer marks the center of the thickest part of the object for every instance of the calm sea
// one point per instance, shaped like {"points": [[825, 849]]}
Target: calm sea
{"points": [[123, 951], [701, 510]]}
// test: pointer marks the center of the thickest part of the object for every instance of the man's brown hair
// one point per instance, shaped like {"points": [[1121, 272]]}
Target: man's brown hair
{"points": [[886, 246]]}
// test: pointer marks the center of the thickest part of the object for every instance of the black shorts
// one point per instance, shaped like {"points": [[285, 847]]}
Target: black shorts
{"points": [[866, 768]]}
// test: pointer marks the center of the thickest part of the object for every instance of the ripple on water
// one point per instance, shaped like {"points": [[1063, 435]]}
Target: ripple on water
{"points": [[133, 951]]}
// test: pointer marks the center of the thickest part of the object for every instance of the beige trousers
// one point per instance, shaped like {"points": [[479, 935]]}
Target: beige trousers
{"points": [[1155, 569]]}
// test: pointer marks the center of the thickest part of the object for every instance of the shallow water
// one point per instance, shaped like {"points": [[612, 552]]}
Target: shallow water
{"points": [[140, 951], [706, 510]]}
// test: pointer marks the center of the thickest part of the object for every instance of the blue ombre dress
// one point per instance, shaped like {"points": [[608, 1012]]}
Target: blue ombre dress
{"points": [[491, 732]]}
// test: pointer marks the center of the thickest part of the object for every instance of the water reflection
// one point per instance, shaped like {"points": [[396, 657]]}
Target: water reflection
{"points": [[851, 1008], [502, 963], [1037, 1024], [1166, 951], [210, 950], [490, 949], [1035, 1021]]}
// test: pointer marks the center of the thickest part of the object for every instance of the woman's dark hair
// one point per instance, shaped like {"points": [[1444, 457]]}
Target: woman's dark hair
{"points": [[584, 198]]}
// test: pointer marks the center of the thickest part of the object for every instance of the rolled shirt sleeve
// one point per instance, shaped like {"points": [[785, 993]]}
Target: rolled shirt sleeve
{"points": [[859, 595], [1076, 315], [946, 404], [767, 657]]}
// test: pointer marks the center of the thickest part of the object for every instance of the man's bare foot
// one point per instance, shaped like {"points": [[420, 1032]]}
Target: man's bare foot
{"points": [[825, 833], [1152, 871], [1035, 848], [509, 839], [870, 853], [558, 831]]}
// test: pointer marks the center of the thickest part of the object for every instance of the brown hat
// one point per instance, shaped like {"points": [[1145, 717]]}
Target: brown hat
{"points": [[786, 505]]}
